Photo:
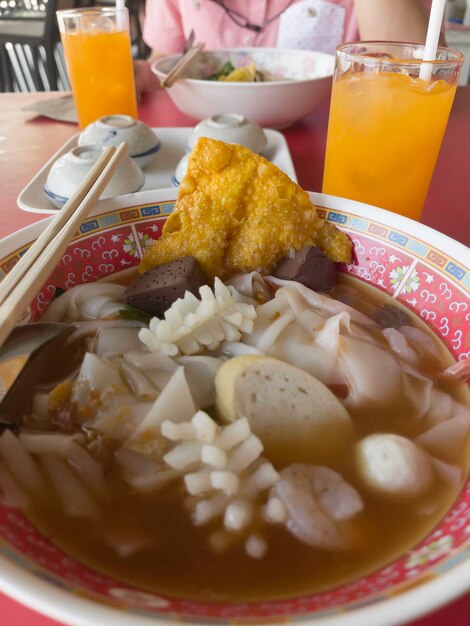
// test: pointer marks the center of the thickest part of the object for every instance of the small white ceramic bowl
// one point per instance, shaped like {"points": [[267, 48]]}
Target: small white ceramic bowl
{"points": [[111, 130], [228, 127], [301, 80], [69, 171], [231, 128]]}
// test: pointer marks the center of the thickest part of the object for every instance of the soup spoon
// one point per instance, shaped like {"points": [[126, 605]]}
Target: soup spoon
{"points": [[31, 355]]}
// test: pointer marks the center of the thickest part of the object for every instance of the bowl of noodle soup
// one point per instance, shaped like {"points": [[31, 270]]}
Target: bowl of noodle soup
{"points": [[423, 274], [295, 83]]}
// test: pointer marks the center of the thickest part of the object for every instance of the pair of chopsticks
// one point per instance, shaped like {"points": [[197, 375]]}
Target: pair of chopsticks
{"points": [[20, 285], [179, 68]]}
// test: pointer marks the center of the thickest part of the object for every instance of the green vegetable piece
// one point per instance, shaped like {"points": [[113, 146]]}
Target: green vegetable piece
{"points": [[225, 70], [132, 313]]}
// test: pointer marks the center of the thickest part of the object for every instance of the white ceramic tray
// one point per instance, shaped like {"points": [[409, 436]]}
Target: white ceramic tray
{"points": [[158, 174]]}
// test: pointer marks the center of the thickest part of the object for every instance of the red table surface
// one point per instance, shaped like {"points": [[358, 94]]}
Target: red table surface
{"points": [[27, 142]]}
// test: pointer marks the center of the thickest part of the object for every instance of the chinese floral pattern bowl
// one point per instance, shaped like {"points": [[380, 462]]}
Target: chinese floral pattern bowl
{"points": [[424, 270]]}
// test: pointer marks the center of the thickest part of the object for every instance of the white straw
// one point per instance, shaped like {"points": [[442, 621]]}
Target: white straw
{"points": [[120, 24], [432, 37]]}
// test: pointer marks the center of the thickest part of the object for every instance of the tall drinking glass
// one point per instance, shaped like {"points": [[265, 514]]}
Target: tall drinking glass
{"points": [[386, 124], [97, 50]]}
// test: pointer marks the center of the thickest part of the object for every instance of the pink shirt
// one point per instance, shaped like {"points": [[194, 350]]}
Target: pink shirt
{"points": [[309, 24]]}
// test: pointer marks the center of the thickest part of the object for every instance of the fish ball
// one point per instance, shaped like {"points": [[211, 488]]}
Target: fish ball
{"points": [[393, 465]]}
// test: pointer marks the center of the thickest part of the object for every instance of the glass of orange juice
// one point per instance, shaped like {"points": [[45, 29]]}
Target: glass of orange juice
{"points": [[97, 50], [386, 124]]}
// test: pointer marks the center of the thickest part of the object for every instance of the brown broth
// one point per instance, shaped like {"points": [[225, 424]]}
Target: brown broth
{"points": [[178, 560]]}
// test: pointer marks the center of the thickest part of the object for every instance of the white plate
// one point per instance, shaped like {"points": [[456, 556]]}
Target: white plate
{"points": [[159, 172]]}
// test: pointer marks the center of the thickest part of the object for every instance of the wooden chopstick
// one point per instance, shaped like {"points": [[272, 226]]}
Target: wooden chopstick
{"points": [[185, 60], [33, 269], [19, 270]]}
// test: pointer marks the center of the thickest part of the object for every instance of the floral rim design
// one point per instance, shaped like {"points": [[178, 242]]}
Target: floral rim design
{"points": [[430, 283]]}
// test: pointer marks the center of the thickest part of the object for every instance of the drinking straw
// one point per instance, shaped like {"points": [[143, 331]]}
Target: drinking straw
{"points": [[120, 5], [432, 37]]}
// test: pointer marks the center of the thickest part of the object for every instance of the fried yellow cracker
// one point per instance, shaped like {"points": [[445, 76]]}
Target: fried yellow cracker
{"points": [[237, 212], [210, 201], [334, 243], [278, 216]]}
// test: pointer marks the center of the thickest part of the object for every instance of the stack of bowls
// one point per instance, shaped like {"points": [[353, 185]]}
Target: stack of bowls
{"points": [[67, 173]]}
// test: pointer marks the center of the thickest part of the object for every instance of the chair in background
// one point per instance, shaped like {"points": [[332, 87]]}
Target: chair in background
{"points": [[29, 55]]}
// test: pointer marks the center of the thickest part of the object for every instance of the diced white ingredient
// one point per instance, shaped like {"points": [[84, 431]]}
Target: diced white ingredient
{"points": [[238, 515], [207, 510], [225, 481], [213, 456], [393, 465], [76, 500], [262, 478], [275, 512], [178, 432], [256, 547], [233, 434], [183, 455], [206, 428], [246, 452], [198, 482]]}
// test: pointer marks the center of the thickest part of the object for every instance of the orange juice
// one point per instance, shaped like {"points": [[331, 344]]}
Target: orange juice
{"points": [[384, 134], [101, 73]]}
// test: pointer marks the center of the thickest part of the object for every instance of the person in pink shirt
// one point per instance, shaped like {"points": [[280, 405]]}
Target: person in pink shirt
{"points": [[308, 24]]}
